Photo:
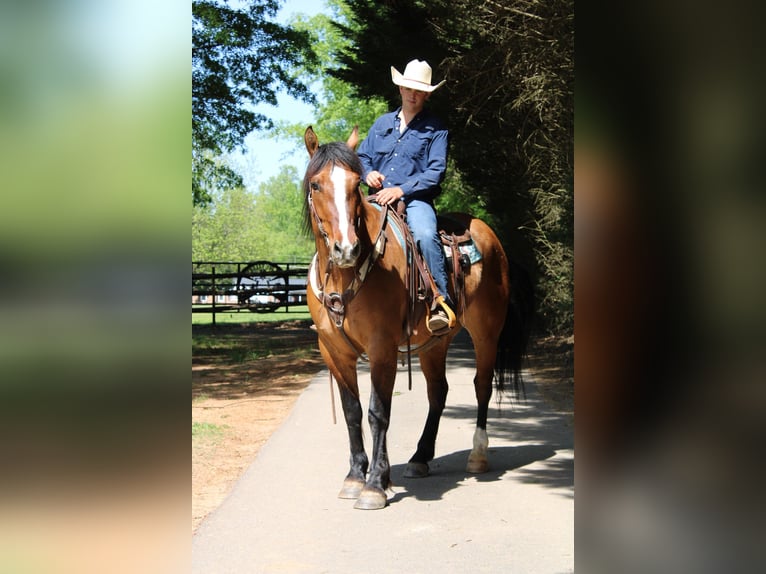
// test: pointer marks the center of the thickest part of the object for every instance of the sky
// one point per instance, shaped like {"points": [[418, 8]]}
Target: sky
{"points": [[265, 156]]}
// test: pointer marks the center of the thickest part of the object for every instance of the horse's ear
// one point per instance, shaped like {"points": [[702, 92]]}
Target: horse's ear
{"points": [[311, 141], [353, 139]]}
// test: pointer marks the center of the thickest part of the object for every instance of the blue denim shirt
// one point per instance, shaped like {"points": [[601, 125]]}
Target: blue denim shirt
{"points": [[415, 160]]}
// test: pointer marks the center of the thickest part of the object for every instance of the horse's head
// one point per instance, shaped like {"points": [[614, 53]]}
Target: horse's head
{"points": [[333, 200]]}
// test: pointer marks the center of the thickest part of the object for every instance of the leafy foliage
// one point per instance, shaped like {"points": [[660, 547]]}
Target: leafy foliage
{"points": [[224, 230], [240, 58], [240, 225], [458, 196], [339, 108], [280, 211]]}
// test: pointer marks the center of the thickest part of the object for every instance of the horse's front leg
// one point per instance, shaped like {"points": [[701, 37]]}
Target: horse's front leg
{"points": [[373, 495], [345, 373], [358, 462]]}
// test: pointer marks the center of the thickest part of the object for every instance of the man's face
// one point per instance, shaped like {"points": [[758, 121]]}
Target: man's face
{"points": [[413, 98]]}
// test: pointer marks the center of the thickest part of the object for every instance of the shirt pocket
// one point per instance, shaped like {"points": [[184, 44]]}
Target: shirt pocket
{"points": [[384, 142], [418, 144]]}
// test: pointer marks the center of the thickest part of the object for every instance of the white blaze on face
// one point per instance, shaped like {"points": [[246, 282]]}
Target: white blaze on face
{"points": [[338, 177]]}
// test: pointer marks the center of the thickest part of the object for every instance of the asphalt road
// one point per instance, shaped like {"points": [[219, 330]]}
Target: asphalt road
{"points": [[283, 515]]}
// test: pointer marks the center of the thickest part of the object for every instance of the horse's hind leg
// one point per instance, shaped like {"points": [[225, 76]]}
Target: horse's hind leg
{"points": [[482, 382], [433, 365]]}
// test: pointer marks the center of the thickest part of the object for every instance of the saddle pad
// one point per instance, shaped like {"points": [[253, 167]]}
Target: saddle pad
{"points": [[467, 248], [393, 223]]}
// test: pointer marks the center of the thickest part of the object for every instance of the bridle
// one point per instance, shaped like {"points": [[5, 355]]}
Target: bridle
{"points": [[316, 217], [335, 302]]}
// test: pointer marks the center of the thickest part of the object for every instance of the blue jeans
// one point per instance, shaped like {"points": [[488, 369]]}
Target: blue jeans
{"points": [[421, 218]]}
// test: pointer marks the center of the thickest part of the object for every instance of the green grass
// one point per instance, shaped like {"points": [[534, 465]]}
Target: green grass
{"points": [[232, 346], [295, 313], [239, 354], [207, 430]]}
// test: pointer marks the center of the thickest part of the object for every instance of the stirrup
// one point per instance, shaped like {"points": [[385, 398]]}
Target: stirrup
{"points": [[439, 300]]}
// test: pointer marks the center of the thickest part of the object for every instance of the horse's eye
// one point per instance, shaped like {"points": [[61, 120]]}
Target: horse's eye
{"points": [[314, 186]]}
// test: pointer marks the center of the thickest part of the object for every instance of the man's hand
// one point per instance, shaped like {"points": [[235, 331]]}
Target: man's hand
{"points": [[375, 179], [389, 195]]}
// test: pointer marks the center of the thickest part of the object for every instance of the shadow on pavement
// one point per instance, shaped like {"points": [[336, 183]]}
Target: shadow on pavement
{"points": [[527, 421], [448, 472]]}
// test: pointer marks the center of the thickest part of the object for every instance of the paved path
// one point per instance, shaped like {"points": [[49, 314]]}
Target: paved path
{"points": [[283, 515]]}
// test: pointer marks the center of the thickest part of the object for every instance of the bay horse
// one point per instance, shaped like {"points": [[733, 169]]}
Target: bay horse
{"points": [[364, 311]]}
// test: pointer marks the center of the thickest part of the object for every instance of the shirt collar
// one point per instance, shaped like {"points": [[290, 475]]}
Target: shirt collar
{"points": [[398, 119]]}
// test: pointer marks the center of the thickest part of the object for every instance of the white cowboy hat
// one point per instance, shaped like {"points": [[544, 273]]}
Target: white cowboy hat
{"points": [[417, 75]]}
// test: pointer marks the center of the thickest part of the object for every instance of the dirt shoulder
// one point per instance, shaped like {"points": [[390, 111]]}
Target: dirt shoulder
{"points": [[245, 379]]}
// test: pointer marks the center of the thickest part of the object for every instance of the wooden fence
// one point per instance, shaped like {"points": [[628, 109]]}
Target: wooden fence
{"points": [[256, 286]]}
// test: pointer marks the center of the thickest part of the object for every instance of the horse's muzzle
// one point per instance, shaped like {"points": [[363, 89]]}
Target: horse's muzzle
{"points": [[345, 255]]}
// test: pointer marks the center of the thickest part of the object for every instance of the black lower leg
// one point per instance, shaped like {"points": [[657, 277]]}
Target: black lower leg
{"points": [[427, 442], [379, 416], [483, 395], [481, 416], [352, 411]]}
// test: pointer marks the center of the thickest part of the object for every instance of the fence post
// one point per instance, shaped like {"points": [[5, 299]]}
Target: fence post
{"points": [[214, 293], [287, 288]]}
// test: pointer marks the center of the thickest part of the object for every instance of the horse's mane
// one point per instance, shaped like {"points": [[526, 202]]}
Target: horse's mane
{"points": [[337, 153]]}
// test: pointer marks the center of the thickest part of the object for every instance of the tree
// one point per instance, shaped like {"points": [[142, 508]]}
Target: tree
{"points": [[338, 109], [280, 212], [223, 230], [238, 225], [239, 58], [516, 90]]}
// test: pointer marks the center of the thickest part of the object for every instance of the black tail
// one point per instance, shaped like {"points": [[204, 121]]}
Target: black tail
{"points": [[512, 346]]}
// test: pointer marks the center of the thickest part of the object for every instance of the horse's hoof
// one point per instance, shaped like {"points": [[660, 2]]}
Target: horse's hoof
{"points": [[416, 470], [371, 499], [352, 488], [477, 466]]}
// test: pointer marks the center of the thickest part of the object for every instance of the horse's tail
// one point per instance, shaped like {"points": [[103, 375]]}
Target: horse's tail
{"points": [[512, 345]]}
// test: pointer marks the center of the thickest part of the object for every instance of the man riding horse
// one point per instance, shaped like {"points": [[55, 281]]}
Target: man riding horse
{"points": [[405, 157]]}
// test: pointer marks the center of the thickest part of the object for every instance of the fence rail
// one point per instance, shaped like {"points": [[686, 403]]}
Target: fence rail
{"points": [[256, 286]]}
